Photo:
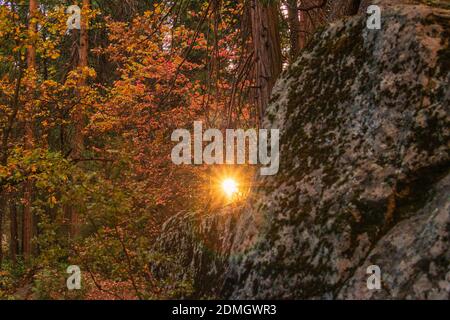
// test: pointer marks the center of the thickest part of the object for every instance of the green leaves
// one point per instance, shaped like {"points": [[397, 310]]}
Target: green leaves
{"points": [[47, 169]]}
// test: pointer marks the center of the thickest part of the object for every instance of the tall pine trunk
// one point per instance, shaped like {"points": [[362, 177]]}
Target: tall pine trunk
{"points": [[29, 139], [78, 117], [267, 51]]}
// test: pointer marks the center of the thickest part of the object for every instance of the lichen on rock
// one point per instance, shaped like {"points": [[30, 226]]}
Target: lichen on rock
{"points": [[364, 176]]}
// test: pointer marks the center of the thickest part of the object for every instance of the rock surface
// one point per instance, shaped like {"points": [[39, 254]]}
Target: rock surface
{"points": [[364, 177], [202, 243]]}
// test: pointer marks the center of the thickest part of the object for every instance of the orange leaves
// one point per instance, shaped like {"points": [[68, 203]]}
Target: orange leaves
{"points": [[157, 90]]}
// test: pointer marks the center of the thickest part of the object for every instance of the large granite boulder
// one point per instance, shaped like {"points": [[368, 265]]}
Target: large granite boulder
{"points": [[201, 243], [364, 177]]}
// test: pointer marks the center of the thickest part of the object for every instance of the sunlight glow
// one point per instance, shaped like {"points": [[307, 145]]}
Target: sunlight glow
{"points": [[230, 187]]}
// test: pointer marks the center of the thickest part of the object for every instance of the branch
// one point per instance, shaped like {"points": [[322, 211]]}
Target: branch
{"points": [[12, 117], [186, 55], [130, 271], [92, 159], [310, 7]]}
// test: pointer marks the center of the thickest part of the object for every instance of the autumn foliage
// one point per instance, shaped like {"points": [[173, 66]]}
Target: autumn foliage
{"points": [[86, 118]]}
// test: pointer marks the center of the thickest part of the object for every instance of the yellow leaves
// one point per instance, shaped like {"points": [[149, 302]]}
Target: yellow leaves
{"points": [[91, 72], [55, 56], [4, 172], [50, 83], [76, 76], [158, 10], [48, 49], [34, 21], [59, 27], [131, 47], [53, 200]]}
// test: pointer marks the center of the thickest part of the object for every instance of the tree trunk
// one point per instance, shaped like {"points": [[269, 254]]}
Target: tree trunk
{"points": [[313, 14], [1, 230], [84, 37], [267, 49], [14, 236], [29, 140], [31, 50], [294, 29], [4, 146], [343, 8], [27, 221], [78, 117]]}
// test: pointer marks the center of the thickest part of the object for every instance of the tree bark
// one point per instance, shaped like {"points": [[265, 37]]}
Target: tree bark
{"points": [[267, 49], [4, 147], [2, 202], [13, 232], [29, 139], [294, 29], [31, 49], [343, 8], [78, 117]]}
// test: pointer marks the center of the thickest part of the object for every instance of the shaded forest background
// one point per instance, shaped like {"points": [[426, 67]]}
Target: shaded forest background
{"points": [[86, 118]]}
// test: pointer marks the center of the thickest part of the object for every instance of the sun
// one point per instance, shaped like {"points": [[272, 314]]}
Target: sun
{"points": [[230, 187]]}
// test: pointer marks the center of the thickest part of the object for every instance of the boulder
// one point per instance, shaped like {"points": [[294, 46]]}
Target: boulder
{"points": [[364, 176]]}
